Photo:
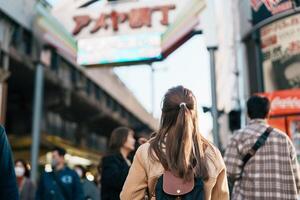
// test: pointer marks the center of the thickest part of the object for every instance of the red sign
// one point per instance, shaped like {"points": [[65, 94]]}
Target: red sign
{"points": [[274, 6], [256, 4], [284, 102], [137, 18]]}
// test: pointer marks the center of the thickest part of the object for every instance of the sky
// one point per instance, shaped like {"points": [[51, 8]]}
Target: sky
{"points": [[187, 66]]}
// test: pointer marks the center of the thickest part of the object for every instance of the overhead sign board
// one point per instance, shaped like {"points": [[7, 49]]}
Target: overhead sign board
{"points": [[127, 32], [101, 19], [263, 9], [119, 49]]}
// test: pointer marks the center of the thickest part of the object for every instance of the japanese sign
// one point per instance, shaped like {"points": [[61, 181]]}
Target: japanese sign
{"points": [[118, 18], [280, 45], [127, 32], [284, 102], [137, 18], [262, 9]]}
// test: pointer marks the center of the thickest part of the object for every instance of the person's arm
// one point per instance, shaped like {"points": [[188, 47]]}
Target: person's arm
{"points": [[233, 161], [220, 190], [295, 165], [112, 175], [8, 183], [78, 190], [135, 186]]}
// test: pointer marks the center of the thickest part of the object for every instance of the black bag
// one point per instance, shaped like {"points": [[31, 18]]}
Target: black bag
{"points": [[196, 191], [259, 143]]}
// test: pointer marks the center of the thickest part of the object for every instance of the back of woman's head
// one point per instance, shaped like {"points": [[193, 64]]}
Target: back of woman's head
{"points": [[118, 138], [178, 143]]}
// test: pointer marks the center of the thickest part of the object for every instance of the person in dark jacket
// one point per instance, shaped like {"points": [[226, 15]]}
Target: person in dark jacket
{"points": [[60, 184], [8, 183], [25, 185], [115, 165], [90, 190]]}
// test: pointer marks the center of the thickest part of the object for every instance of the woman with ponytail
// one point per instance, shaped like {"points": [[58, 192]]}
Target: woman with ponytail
{"points": [[177, 147]]}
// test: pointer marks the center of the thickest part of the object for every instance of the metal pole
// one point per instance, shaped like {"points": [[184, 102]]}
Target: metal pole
{"points": [[36, 123], [152, 89], [4, 72], [214, 110], [243, 83], [258, 59]]}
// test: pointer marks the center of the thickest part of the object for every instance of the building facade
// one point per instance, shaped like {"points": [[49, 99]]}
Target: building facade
{"points": [[259, 50], [79, 108]]}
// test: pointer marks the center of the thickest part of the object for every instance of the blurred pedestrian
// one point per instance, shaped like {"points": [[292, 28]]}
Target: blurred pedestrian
{"points": [[261, 161], [60, 184], [90, 190], [8, 182], [115, 165], [140, 138], [179, 152], [25, 185]]}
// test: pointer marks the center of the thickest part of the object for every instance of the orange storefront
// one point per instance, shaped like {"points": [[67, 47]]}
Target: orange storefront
{"points": [[285, 113]]}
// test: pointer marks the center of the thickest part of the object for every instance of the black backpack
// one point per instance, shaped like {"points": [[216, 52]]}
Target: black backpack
{"points": [[197, 192]]}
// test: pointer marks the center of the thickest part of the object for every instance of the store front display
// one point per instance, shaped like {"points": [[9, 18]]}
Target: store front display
{"points": [[280, 46], [285, 113]]}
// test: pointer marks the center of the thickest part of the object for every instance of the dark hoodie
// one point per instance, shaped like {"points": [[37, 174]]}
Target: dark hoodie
{"points": [[8, 183]]}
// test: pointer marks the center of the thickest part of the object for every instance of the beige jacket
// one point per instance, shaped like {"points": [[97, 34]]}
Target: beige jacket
{"points": [[144, 172]]}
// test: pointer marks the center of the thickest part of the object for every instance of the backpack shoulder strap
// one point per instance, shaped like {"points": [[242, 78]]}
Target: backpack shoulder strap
{"points": [[260, 142]]}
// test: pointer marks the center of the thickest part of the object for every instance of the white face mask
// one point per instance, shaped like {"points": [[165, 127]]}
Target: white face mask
{"points": [[20, 171], [54, 163], [79, 172]]}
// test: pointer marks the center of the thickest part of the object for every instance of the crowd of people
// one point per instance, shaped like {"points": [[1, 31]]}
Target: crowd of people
{"points": [[176, 162]]}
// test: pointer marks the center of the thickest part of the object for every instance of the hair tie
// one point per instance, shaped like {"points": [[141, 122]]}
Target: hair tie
{"points": [[182, 104]]}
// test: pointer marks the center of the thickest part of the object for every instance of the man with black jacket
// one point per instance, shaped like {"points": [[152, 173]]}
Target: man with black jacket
{"points": [[60, 184], [8, 184]]}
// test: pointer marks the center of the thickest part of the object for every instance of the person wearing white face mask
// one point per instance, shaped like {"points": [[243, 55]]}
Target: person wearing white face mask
{"points": [[25, 185], [90, 190]]}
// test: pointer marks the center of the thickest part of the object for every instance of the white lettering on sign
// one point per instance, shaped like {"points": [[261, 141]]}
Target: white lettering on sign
{"points": [[285, 103]]}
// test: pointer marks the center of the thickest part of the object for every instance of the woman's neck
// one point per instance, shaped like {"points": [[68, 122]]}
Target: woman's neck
{"points": [[124, 152], [20, 180]]}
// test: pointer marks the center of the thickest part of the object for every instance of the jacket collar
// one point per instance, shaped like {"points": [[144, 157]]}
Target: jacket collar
{"points": [[257, 121]]}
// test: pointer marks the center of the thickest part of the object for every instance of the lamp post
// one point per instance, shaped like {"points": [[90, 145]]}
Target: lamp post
{"points": [[36, 122]]}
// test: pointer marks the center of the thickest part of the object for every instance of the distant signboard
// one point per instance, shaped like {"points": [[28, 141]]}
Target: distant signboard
{"points": [[123, 21], [119, 49], [131, 32], [263, 9], [284, 102], [280, 45]]}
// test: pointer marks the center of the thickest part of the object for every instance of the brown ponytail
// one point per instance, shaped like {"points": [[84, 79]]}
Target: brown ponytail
{"points": [[178, 145]]}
